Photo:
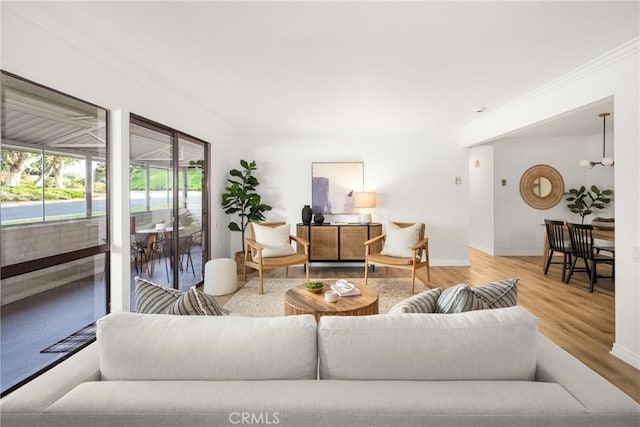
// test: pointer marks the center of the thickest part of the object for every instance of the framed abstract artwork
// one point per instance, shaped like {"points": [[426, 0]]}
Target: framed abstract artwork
{"points": [[333, 185]]}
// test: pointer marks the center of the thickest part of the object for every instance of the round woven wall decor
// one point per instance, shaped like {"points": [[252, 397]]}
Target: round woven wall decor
{"points": [[530, 184]]}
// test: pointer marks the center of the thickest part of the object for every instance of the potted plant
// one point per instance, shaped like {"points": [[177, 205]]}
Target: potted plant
{"points": [[583, 202], [241, 198]]}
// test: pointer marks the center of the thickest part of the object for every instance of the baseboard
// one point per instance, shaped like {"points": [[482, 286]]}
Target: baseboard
{"points": [[626, 355], [453, 262], [435, 262], [485, 249], [518, 252]]}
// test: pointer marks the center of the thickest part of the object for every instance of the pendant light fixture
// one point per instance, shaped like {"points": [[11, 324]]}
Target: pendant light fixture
{"points": [[606, 161]]}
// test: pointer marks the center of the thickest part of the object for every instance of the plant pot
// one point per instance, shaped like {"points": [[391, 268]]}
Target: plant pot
{"points": [[239, 257]]}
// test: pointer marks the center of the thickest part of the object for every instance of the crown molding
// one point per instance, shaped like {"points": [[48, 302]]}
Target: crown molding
{"points": [[632, 47]]}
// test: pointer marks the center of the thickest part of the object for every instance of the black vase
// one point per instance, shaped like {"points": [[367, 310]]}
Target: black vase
{"points": [[306, 215], [318, 219]]}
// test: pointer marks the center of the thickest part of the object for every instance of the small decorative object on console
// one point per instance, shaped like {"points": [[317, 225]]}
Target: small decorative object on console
{"points": [[318, 219], [307, 213]]}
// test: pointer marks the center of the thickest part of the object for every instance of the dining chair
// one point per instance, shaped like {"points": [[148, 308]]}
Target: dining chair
{"points": [[268, 246], [184, 251], [161, 248], [558, 243], [581, 236], [138, 250], [404, 247]]}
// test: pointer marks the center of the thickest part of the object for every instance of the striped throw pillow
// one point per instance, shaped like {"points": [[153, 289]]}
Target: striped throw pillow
{"points": [[194, 302], [153, 298], [458, 299], [156, 299], [498, 294], [424, 302]]}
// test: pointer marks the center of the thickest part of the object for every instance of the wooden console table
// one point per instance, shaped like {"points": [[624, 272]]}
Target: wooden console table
{"points": [[338, 242]]}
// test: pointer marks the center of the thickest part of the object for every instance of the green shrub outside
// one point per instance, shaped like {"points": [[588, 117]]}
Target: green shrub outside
{"points": [[31, 193]]}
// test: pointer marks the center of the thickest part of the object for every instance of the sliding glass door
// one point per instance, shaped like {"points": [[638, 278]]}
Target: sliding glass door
{"points": [[168, 224]]}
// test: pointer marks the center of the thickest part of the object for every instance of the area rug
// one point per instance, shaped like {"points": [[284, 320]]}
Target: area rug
{"points": [[73, 341], [248, 302]]}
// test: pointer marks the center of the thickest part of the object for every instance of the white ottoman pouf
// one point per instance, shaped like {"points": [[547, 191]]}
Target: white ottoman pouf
{"points": [[220, 277]]}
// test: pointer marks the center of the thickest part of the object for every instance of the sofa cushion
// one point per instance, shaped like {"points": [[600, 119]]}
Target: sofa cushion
{"points": [[274, 240], [322, 404], [424, 302], [135, 346], [495, 344], [399, 241]]}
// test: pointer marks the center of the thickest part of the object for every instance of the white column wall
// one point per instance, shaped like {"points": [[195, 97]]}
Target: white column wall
{"points": [[120, 212], [482, 226]]}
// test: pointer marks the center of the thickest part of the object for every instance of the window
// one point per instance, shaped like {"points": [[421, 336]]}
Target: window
{"points": [[168, 201], [53, 226]]}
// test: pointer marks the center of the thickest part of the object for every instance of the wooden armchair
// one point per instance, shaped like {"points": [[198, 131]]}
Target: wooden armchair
{"points": [[254, 256], [412, 262]]}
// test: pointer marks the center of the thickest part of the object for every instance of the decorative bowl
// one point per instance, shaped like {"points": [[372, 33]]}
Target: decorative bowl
{"points": [[315, 287]]}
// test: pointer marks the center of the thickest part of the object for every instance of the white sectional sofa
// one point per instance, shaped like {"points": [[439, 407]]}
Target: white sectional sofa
{"points": [[480, 368]]}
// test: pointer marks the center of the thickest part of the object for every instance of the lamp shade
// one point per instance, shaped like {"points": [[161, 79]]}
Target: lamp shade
{"points": [[364, 200]]}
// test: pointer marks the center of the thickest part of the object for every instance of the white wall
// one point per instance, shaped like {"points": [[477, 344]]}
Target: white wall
{"points": [[518, 229], [412, 175], [481, 198], [615, 74]]}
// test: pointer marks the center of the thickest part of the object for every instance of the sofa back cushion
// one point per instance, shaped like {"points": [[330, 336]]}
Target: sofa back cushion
{"points": [[495, 344], [136, 346]]}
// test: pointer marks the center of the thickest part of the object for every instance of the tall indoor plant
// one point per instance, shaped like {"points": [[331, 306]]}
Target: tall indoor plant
{"points": [[583, 202], [241, 198]]}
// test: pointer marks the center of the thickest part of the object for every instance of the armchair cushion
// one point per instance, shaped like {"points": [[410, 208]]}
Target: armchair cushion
{"points": [[424, 302], [274, 240], [398, 241]]}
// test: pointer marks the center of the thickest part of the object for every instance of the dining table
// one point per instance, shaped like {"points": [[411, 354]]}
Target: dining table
{"points": [[597, 233], [154, 234]]}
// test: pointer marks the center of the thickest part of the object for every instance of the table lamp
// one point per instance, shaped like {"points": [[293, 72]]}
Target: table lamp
{"points": [[364, 200]]}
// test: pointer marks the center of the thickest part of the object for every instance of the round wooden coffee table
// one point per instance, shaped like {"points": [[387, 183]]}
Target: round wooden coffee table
{"points": [[299, 300]]}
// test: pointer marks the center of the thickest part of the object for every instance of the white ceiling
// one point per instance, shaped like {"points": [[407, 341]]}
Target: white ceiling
{"points": [[343, 66]]}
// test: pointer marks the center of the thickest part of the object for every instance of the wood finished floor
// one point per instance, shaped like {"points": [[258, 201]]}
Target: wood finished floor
{"points": [[578, 321]]}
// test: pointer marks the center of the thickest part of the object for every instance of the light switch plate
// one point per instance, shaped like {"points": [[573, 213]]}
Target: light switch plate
{"points": [[458, 180]]}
